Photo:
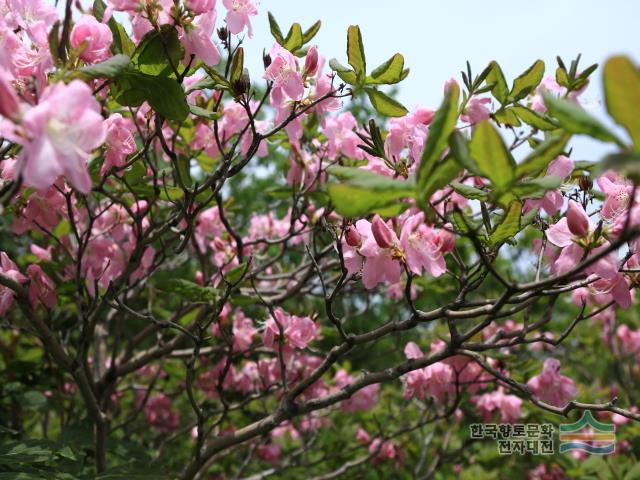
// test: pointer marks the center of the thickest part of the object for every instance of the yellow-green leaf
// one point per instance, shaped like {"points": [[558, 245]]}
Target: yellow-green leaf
{"points": [[527, 82], [491, 155], [355, 51], [509, 226], [622, 94]]}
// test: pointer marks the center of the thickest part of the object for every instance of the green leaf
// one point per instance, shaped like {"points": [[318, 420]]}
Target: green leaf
{"points": [[33, 400], [384, 104], [361, 192], [491, 155], [537, 187], [459, 146], [562, 78], [509, 226], [355, 51], [275, 29], [388, 73], [467, 191], [539, 158], [237, 66], [110, 68], [311, 32], [235, 274], [345, 73], [159, 51], [443, 124], [204, 113], [500, 90], [622, 95], [188, 290], [506, 116], [527, 82], [533, 118], [575, 120], [216, 78], [441, 176], [165, 95], [294, 39]]}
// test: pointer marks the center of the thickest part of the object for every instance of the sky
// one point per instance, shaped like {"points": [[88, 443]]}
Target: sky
{"points": [[436, 38]]}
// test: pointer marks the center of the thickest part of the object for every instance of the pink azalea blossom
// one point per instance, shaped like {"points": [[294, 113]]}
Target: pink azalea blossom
{"points": [[9, 102], [238, 13], [497, 401], [91, 38], [62, 130], [159, 412], [618, 191], [8, 269], [342, 137], [201, 6], [552, 202], [197, 40], [418, 242], [41, 287], [363, 400], [381, 264], [476, 111], [297, 331], [436, 381], [551, 387], [120, 141], [568, 236], [283, 72]]}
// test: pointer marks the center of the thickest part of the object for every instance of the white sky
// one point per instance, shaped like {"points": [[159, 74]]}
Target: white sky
{"points": [[436, 38]]}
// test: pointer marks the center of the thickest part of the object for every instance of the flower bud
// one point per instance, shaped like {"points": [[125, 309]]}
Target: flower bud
{"points": [[223, 34], [266, 59], [585, 183], [577, 219], [353, 237], [311, 61], [382, 233], [447, 239]]}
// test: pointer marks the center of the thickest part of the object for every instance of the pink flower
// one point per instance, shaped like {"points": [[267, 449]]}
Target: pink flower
{"points": [[120, 141], [618, 192], [552, 202], [352, 236], [197, 40], [561, 235], [269, 452], [385, 237], [238, 13], [508, 405], [475, 111], [577, 219], [41, 287], [436, 380], [311, 61], [297, 331], [341, 136], [200, 6], [418, 242], [550, 386], [283, 72], [160, 414], [381, 264], [629, 340], [363, 400], [8, 269], [9, 102], [62, 131], [91, 38]]}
